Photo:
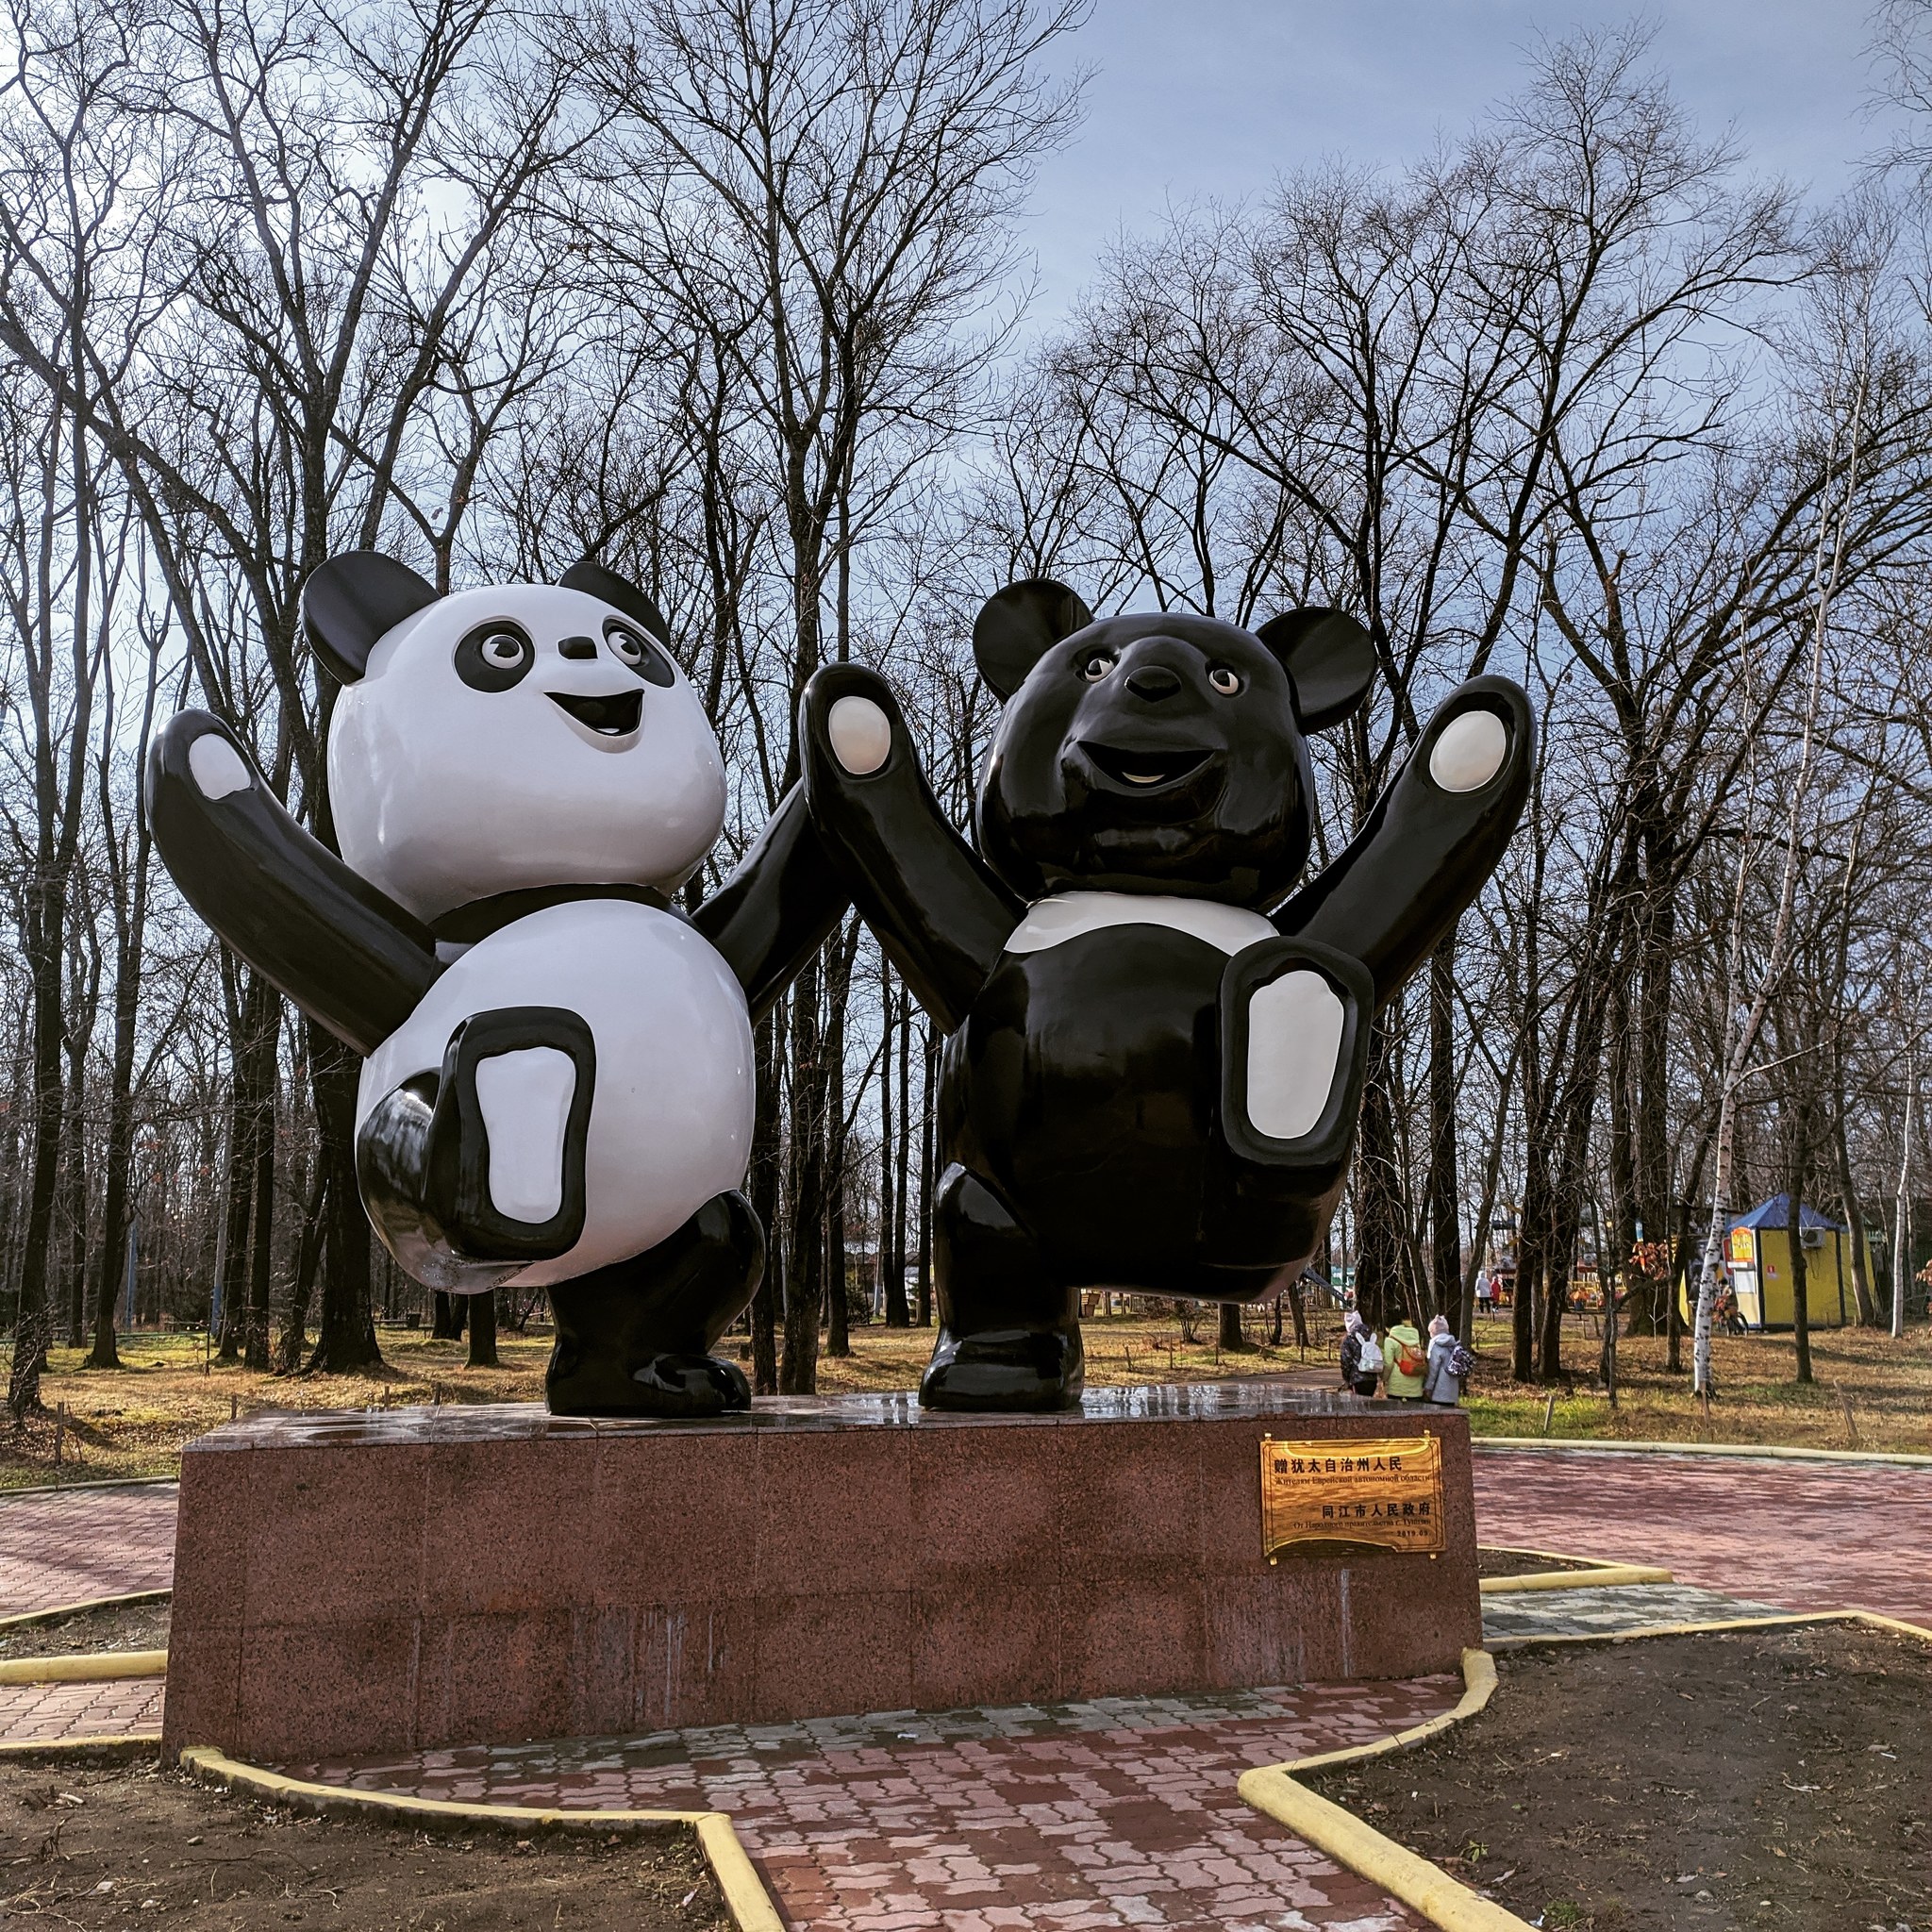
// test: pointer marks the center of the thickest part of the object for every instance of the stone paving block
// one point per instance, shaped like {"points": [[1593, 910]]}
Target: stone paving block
{"points": [[63, 1547], [1809, 1536], [47, 1713]]}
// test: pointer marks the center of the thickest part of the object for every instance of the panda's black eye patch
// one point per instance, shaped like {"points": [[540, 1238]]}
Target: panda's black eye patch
{"points": [[495, 656], [629, 645]]}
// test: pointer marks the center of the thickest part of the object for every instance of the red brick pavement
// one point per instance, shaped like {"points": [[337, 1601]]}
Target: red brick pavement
{"points": [[66, 1547], [1102, 1815], [1812, 1535], [50, 1713]]}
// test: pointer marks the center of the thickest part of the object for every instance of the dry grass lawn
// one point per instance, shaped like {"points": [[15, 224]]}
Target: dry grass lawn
{"points": [[1870, 1392]]}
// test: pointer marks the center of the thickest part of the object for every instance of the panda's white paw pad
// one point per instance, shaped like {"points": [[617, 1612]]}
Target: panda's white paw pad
{"points": [[862, 734], [525, 1099], [1469, 751], [1294, 1047], [216, 767]]}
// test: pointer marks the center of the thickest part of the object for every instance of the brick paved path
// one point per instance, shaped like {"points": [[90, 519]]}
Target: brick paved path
{"points": [[1121, 1812], [64, 1547], [1806, 1536], [47, 1713]]}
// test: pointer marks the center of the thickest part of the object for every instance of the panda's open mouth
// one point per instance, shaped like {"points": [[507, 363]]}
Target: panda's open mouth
{"points": [[613, 717], [1145, 769]]}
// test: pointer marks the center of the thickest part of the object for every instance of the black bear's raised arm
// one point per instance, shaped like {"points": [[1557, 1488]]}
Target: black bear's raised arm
{"points": [[774, 911], [1431, 840], [935, 908], [346, 953]]}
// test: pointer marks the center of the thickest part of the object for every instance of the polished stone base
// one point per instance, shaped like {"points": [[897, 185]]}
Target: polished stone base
{"points": [[356, 1583]]}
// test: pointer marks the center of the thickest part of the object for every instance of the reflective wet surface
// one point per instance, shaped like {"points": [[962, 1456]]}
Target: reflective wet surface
{"points": [[522, 1422]]}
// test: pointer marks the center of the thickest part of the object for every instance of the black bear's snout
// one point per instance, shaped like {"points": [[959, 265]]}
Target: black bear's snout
{"points": [[1154, 682]]}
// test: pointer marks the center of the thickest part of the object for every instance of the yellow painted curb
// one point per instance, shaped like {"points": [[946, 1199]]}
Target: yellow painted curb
{"points": [[1715, 1627], [1775, 1452], [89, 1667], [745, 1897], [1609, 1576], [22, 1618], [1446, 1901]]}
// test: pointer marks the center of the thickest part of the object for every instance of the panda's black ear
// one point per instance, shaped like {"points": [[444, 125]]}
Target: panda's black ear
{"points": [[350, 601], [1017, 626], [1330, 659], [595, 581]]}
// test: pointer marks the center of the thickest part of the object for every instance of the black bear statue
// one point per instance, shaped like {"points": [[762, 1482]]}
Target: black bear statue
{"points": [[1156, 1045]]}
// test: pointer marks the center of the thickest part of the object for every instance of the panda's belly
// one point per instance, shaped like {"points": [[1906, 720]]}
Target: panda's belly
{"points": [[670, 1111], [1085, 1086]]}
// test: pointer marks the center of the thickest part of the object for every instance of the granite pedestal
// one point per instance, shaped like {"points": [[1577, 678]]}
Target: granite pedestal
{"points": [[374, 1581]]}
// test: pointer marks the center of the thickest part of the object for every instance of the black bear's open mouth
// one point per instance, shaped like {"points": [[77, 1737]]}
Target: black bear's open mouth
{"points": [[611, 717], [1145, 768]]}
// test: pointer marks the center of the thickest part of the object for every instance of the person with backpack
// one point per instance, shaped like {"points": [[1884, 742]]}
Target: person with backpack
{"points": [[1361, 1357], [1408, 1362], [1449, 1364]]}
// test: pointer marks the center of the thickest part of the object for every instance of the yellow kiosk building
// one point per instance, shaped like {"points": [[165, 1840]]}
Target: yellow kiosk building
{"points": [[1759, 1260]]}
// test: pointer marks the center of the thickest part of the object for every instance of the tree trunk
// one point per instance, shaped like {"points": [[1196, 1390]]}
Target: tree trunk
{"points": [[1869, 1316], [1797, 1175], [927, 1087], [1234, 1339], [345, 1338], [1380, 1245], [892, 1294], [805, 1284], [483, 1331], [902, 1161], [1445, 1207], [764, 1178], [307, 1252], [446, 1316], [838, 989]]}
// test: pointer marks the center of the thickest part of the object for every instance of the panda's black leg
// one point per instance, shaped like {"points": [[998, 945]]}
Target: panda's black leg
{"points": [[1010, 1332], [475, 1170], [636, 1338]]}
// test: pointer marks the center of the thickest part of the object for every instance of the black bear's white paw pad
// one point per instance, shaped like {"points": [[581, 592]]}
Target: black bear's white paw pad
{"points": [[217, 768], [862, 734], [1295, 1052], [524, 1098], [1469, 751]]}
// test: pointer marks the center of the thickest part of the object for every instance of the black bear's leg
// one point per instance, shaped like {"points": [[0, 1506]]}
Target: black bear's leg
{"points": [[636, 1338], [475, 1170], [1010, 1333]]}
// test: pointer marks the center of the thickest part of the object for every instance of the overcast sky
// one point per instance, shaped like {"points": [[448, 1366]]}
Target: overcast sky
{"points": [[1213, 98]]}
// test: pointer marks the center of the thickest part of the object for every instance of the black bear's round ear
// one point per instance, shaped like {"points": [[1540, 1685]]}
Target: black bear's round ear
{"points": [[606, 585], [1019, 625], [350, 601], [1330, 659]]}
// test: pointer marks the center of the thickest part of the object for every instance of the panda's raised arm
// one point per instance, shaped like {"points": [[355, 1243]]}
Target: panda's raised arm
{"points": [[347, 955], [775, 910], [1431, 840], [935, 908]]}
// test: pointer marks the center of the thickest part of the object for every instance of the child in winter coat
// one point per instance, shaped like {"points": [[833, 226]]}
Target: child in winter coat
{"points": [[1442, 1384], [1361, 1359], [1408, 1362]]}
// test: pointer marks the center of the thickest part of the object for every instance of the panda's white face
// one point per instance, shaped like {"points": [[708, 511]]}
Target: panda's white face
{"points": [[528, 736]]}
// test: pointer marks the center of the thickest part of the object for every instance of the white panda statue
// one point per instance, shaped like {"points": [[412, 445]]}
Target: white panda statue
{"points": [[557, 1081]]}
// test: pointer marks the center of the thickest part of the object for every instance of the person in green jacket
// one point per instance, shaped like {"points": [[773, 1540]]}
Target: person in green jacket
{"points": [[1407, 1360]]}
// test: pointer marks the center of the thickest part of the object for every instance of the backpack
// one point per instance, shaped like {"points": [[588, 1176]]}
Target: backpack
{"points": [[1369, 1362], [1461, 1362], [1409, 1363]]}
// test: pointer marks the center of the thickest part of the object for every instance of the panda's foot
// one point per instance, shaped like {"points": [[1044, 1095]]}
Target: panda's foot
{"points": [[1006, 1370], [636, 1338], [512, 1115]]}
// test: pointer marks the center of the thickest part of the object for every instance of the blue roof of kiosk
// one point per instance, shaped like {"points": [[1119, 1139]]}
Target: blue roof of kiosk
{"points": [[1776, 1214]]}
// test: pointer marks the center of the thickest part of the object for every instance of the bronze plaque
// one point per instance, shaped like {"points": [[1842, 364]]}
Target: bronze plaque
{"points": [[1384, 1490]]}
